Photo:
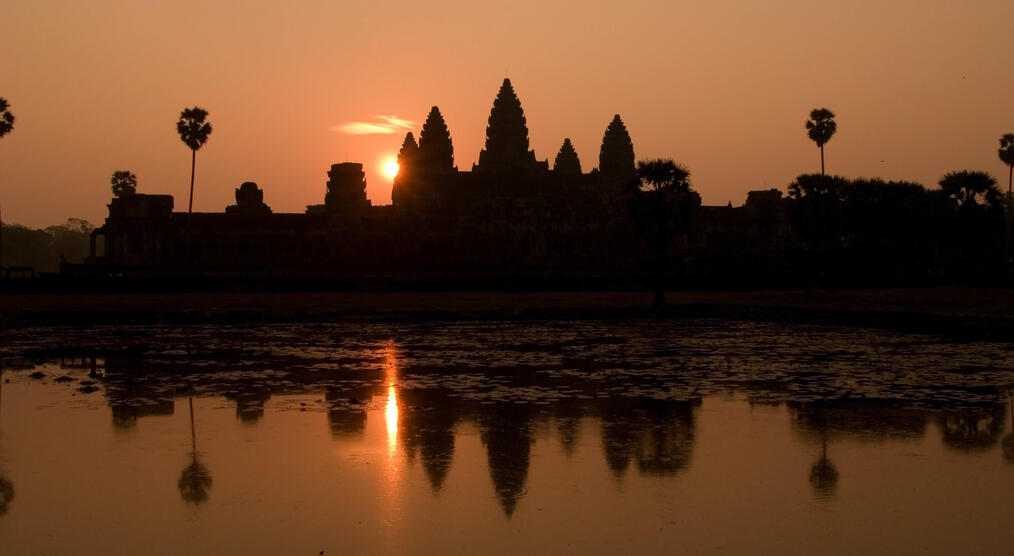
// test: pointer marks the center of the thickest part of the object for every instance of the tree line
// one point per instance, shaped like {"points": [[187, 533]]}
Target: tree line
{"points": [[856, 231]]}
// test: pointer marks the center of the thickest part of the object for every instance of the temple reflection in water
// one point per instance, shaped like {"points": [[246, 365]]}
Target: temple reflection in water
{"points": [[422, 417], [519, 435]]}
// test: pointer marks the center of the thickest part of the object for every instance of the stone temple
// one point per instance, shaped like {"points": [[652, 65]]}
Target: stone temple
{"points": [[510, 217]]}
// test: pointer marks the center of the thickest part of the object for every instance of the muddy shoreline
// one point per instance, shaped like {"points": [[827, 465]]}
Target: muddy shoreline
{"points": [[975, 313]]}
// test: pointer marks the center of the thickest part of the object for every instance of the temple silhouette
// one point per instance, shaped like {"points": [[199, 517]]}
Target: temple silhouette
{"points": [[510, 215]]}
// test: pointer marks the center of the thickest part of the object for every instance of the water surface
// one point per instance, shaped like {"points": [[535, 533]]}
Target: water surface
{"points": [[700, 436]]}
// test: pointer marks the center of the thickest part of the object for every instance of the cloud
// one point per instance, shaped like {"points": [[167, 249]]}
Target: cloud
{"points": [[384, 125]]}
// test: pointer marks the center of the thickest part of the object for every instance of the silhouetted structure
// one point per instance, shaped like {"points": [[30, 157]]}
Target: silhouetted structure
{"points": [[511, 218], [616, 158], [506, 149], [249, 201], [567, 162]]}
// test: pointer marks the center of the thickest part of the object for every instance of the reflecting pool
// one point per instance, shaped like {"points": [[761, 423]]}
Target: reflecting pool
{"points": [[505, 437]]}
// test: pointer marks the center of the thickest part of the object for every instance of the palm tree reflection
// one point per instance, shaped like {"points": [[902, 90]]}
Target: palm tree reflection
{"points": [[6, 486], [6, 494], [823, 474], [1008, 441], [823, 417], [195, 481], [973, 429]]}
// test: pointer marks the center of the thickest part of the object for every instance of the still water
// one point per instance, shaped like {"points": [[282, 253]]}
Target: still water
{"points": [[547, 437]]}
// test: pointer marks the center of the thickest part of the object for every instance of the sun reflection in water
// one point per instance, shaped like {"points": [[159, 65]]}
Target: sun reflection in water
{"points": [[392, 473], [391, 414]]}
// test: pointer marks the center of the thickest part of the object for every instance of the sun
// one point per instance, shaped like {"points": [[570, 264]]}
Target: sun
{"points": [[391, 168]]}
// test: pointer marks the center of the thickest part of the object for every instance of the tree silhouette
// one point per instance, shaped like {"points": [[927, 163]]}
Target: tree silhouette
{"points": [[968, 189], [124, 183], [6, 118], [820, 127], [194, 131], [1006, 153], [662, 207]]}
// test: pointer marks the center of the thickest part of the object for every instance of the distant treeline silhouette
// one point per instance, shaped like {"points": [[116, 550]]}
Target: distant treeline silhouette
{"points": [[869, 229], [44, 249]]}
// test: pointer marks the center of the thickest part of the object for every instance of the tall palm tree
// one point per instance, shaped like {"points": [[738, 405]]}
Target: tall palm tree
{"points": [[662, 207], [6, 118], [821, 127], [1006, 153], [194, 131], [6, 125]]}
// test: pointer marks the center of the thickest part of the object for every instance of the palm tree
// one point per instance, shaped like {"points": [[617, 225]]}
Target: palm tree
{"points": [[969, 189], [662, 206], [821, 127], [124, 183], [6, 125], [6, 118], [1006, 153], [194, 131]]}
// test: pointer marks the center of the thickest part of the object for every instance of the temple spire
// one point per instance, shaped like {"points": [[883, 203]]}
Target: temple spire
{"points": [[407, 163], [409, 151], [436, 153], [506, 135], [567, 162], [616, 159]]}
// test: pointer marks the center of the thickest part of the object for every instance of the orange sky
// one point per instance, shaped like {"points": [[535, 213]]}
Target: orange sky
{"points": [[919, 87]]}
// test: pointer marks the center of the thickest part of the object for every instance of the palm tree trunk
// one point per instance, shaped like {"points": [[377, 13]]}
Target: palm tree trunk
{"points": [[193, 434], [1010, 217], [821, 163], [193, 166], [190, 204]]}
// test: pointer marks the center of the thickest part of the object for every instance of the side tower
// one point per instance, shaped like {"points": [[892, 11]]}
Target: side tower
{"points": [[506, 149], [346, 188], [616, 158], [401, 190], [567, 163], [436, 152]]}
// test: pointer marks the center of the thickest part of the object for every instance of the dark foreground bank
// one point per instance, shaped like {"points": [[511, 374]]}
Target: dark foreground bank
{"points": [[972, 312]]}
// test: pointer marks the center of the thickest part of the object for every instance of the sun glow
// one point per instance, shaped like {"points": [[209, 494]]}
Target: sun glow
{"points": [[391, 168]]}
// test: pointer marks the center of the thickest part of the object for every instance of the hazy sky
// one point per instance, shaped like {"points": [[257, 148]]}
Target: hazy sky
{"points": [[919, 88]]}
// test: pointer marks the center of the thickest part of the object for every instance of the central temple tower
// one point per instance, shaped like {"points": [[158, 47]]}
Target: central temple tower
{"points": [[506, 149]]}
